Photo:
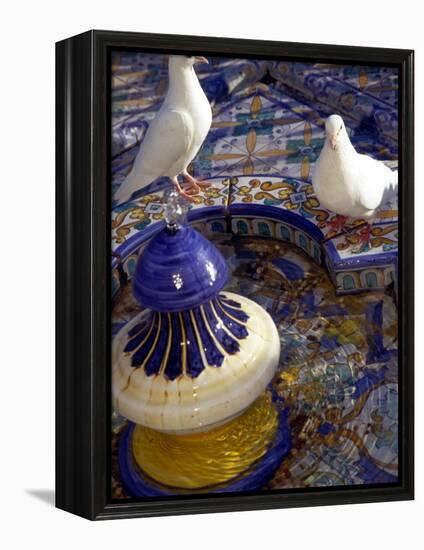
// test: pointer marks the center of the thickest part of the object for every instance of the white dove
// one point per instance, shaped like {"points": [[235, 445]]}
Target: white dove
{"points": [[176, 133], [348, 183]]}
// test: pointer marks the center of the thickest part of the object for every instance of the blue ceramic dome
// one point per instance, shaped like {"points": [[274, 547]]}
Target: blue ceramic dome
{"points": [[179, 270]]}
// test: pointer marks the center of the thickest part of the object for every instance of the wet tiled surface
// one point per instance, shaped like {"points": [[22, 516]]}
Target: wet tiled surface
{"points": [[338, 365]]}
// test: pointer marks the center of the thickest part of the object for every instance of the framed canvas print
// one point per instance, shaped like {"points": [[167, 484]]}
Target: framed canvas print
{"points": [[234, 274]]}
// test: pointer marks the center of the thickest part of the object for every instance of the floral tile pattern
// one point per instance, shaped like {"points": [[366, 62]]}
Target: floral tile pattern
{"points": [[267, 132]]}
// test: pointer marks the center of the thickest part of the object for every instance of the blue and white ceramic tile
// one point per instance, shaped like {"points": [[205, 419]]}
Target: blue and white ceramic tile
{"points": [[267, 131]]}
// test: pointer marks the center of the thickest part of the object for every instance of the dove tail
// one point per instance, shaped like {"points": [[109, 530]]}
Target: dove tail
{"points": [[130, 185], [394, 184], [391, 190]]}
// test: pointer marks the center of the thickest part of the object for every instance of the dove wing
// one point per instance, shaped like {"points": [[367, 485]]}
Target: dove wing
{"points": [[374, 175], [167, 139]]}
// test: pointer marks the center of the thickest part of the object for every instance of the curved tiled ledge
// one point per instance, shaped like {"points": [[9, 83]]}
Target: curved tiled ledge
{"points": [[350, 272]]}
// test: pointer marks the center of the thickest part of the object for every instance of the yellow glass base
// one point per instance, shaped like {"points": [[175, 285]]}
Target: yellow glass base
{"points": [[198, 460]]}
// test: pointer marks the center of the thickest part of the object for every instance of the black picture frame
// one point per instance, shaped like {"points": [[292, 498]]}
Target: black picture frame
{"points": [[83, 268]]}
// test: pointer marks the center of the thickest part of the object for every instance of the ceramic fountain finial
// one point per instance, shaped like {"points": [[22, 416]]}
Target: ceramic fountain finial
{"points": [[195, 356]]}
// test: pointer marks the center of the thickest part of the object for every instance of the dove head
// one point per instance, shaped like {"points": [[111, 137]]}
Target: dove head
{"points": [[335, 130], [186, 61]]}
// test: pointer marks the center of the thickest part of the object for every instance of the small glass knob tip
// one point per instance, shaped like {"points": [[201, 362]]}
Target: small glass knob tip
{"points": [[175, 209]]}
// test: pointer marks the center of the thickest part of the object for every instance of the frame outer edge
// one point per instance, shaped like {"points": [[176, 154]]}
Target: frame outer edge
{"points": [[82, 368], [74, 384], [406, 321], [61, 84]]}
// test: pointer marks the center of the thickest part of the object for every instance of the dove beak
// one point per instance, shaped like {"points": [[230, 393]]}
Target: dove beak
{"points": [[333, 141], [200, 59]]}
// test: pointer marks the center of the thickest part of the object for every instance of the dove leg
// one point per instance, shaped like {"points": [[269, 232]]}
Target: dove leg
{"points": [[197, 184], [181, 191], [336, 227], [364, 238]]}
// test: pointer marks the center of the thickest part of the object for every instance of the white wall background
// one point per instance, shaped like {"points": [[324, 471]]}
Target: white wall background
{"points": [[29, 30]]}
